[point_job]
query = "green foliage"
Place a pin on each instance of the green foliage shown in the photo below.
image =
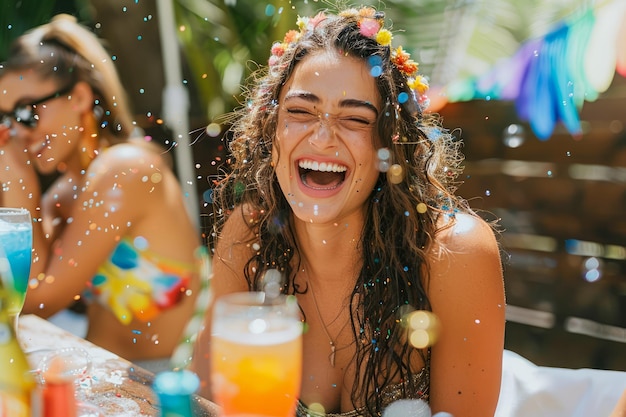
(18, 16)
(224, 41)
(451, 39)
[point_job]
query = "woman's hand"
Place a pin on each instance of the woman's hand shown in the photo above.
(5, 134)
(19, 181)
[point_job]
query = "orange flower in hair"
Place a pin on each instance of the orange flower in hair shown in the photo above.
(402, 60)
(371, 25)
(291, 36)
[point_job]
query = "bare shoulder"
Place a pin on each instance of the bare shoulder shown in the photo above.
(236, 229)
(129, 167)
(467, 234)
(126, 156)
(466, 290)
(234, 247)
(465, 257)
(235, 240)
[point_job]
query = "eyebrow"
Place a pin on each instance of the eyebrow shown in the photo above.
(345, 103)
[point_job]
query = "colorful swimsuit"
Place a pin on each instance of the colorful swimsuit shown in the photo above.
(136, 283)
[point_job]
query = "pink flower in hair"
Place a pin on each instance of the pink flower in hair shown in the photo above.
(273, 60)
(313, 22)
(278, 49)
(369, 27)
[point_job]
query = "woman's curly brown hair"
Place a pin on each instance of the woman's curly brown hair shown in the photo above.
(396, 235)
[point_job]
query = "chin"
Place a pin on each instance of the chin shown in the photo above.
(316, 212)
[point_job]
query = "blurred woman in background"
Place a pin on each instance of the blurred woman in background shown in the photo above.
(112, 229)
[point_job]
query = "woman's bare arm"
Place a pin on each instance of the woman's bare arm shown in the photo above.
(467, 294)
(113, 200)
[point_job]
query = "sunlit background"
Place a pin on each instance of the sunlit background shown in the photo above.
(535, 88)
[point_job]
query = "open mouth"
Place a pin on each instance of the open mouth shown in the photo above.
(37, 146)
(321, 175)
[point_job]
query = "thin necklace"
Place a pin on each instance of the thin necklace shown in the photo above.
(333, 347)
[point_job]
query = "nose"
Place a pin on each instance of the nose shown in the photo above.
(324, 135)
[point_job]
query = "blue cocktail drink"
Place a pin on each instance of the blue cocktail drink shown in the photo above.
(16, 242)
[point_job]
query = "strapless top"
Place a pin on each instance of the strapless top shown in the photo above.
(137, 283)
(390, 394)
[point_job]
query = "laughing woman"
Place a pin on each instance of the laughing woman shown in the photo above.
(342, 183)
(112, 229)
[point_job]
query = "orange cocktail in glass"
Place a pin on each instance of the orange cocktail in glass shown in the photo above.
(256, 355)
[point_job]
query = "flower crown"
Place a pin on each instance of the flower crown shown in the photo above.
(370, 23)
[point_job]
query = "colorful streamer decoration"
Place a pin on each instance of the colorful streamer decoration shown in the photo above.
(549, 78)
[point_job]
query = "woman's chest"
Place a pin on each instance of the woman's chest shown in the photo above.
(330, 358)
(328, 355)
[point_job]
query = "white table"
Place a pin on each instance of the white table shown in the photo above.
(118, 387)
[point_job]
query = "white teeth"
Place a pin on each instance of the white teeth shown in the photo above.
(321, 166)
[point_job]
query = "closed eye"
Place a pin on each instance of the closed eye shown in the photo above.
(355, 123)
(358, 120)
(298, 111)
(301, 114)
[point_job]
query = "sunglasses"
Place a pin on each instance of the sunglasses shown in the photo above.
(26, 113)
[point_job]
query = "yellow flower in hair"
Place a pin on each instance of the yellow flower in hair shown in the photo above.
(370, 24)
(419, 84)
(384, 37)
(301, 22)
(423, 84)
